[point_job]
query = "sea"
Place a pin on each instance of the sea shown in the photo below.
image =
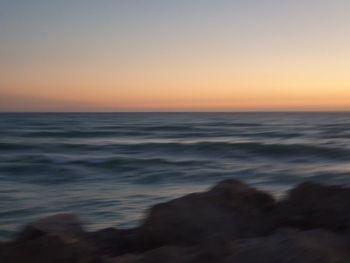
(109, 168)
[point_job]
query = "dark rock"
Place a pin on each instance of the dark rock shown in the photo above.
(167, 254)
(66, 226)
(127, 258)
(113, 242)
(58, 238)
(228, 211)
(311, 205)
(46, 249)
(175, 254)
(313, 246)
(231, 222)
(207, 252)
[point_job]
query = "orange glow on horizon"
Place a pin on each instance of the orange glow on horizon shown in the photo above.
(226, 56)
(213, 90)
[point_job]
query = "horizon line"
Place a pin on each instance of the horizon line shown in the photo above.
(255, 111)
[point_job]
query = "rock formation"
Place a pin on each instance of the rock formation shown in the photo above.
(230, 223)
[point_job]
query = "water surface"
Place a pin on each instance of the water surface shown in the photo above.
(110, 167)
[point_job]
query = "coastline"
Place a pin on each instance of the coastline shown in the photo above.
(231, 222)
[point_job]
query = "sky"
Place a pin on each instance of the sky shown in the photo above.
(174, 55)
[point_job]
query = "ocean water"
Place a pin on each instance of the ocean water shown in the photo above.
(110, 167)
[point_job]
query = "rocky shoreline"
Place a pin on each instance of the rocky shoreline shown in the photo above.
(230, 223)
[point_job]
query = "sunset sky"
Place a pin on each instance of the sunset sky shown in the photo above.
(174, 55)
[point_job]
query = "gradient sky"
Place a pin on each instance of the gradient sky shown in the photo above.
(174, 55)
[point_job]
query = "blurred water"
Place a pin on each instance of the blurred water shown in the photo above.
(109, 167)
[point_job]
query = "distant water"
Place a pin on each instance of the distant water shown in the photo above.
(109, 167)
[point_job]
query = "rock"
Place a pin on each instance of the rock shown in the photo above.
(59, 238)
(113, 242)
(128, 258)
(66, 226)
(46, 249)
(313, 246)
(166, 254)
(311, 205)
(203, 253)
(228, 211)
(230, 223)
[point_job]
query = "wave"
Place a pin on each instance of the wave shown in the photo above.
(81, 134)
(212, 148)
(4, 146)
(120, 161)
(168, 128)
(264, 149)
(235, 124)
(41, 173)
